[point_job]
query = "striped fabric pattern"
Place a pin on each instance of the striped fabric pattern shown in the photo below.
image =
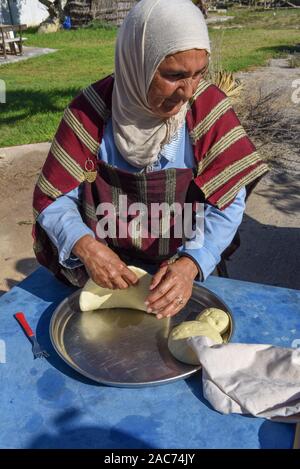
(90, 212)
(141, 182)
(73, 168)
(116, 192)
(225, 157)
(213, 184)
(159, 187)
(254, 174)
(203, 85)
(223, 144)
(80, 131)
(170, 192)
(35, 214)
(97, 102)
(79, 137)
(45, 186)
(204, 126)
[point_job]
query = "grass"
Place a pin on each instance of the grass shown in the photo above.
(279, 18)
(39, 89)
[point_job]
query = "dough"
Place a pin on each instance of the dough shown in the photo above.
(178, 345)
(216, 318)
(95, 297)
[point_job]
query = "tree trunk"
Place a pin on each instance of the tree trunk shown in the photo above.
(55, 9)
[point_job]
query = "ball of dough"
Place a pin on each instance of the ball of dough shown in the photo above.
(94, 297)
(177, 341)
(216, 318)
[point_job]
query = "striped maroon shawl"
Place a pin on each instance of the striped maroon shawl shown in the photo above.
(226, 158)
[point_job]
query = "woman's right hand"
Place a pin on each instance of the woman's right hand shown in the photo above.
(103, 265)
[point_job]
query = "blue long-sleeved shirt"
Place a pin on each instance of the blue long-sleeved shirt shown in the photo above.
(63, 223)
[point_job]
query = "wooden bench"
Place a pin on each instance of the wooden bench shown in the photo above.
(9, 39)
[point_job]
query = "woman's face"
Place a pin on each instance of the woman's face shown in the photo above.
(175, 81)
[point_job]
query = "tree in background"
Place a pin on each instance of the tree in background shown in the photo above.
(56, 10)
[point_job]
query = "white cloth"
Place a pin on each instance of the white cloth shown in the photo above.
(152, 30)
(261, 380)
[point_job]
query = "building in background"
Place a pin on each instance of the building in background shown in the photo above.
(30, 12)
(33, 13)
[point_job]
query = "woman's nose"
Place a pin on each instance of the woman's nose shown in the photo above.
(186, 89)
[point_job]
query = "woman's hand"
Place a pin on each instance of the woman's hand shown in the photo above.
(171, 288)
(103, 265)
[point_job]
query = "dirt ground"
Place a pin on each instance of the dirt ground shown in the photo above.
(19, 167)
(270, 232)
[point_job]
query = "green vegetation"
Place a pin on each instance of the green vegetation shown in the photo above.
(39, 89)
(279, 18)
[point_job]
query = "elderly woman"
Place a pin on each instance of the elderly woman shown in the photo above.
(155, 132)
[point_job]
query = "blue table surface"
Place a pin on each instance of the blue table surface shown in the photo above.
(45, 404)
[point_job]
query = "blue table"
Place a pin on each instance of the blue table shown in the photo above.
(45, 404)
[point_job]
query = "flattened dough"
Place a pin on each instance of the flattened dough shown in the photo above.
(216, 318)
(178, 345)
(95, 297)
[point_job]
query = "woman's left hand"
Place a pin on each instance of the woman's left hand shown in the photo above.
(171, 288)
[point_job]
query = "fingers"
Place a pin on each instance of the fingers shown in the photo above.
(128, 276)
(165, 300)
(172, 293)
(158, 277)
(167, 282)
(172, 308)
(170, 304)
(119, 283)
(117, 276)
(102, 282)
(108, 271)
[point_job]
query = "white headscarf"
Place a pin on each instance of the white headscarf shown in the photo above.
(152, 30)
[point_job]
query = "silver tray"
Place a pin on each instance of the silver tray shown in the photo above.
(125, 347)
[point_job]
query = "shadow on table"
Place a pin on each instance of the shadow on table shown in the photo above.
(194, 382)
(44, 285)
(67, 434)
(272, 435)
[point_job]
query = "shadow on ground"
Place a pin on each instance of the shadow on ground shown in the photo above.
(23, 266)
(26, 102)
(282, 49)
(268, 255)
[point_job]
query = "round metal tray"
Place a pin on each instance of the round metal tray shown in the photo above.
(125, 347)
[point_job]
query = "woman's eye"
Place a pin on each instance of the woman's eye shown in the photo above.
(174, 77)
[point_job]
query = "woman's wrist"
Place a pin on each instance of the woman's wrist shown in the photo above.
(85, 247)
(190, 266)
